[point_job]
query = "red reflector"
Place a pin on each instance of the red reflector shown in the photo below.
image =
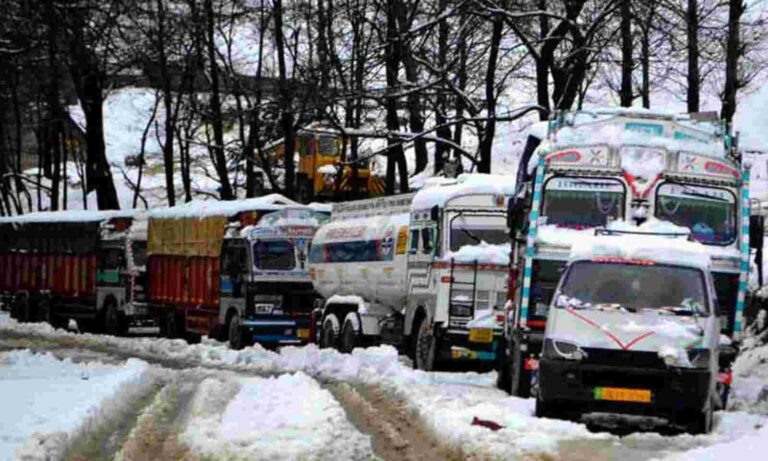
(536, 323)
(446, 279)
(725, 377)
(531, 364)
(500, 318)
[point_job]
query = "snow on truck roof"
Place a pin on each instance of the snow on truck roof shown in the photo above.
(656, 241)
(208, 208)
(441, 192)
(69, 216)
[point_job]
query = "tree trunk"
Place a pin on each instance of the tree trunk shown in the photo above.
(625, 94)
(286, 119)
(219, 156)
(413, 99)
(441, 103)
(645, 55)
(735, 11)
(542, 66)
(395, 154)
(167, 105)
(486, 143)
(694, 79)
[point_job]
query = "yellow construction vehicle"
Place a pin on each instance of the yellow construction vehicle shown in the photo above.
(319, 154)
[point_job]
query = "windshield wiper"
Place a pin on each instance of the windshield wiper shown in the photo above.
(470, 235)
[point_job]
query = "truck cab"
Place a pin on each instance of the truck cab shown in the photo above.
(266, 293)
(633, 328)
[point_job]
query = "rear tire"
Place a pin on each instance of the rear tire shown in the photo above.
(426, 346)
(520, 385)
(44, 311)
(235, 333)
(328, 334)
(350, 334)
(504, 371)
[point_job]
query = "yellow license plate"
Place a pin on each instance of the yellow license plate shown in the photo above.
(302, 333)
(481, 335)
(620, 394)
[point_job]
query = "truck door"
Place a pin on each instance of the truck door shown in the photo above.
(234, 268)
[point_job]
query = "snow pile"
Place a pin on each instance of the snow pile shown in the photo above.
(49, 398)
(287, 417)
(327, 169)
(666, 250)
(466, 184)
(67, 216)
(750, 384)
(749, 443)
(483, 253)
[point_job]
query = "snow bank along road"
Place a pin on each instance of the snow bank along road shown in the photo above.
(78, 397)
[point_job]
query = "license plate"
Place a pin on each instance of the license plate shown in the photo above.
(302, 333)
(481, 335)
(263, 308)
(620, 394)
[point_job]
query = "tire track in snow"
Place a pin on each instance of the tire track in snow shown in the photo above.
(397, 433)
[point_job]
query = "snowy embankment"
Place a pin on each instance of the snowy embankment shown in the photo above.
(47, 400)
(447, 403)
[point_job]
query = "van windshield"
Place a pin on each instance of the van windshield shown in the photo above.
(634, 287)
(274, 255)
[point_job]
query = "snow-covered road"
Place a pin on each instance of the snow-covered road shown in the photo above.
(99, 397)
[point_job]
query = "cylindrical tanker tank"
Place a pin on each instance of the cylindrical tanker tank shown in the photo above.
(363, 257)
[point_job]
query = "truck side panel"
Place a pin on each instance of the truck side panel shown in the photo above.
(184, 281)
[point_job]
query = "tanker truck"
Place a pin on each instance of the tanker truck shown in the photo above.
(424, 272)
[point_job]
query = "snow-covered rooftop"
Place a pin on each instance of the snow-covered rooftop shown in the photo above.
(207, 208)
(68, 216)
(439, 192)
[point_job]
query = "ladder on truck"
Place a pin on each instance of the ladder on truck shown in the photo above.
(472, 284)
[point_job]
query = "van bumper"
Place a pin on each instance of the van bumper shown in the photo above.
(454, 344)
(577, 387)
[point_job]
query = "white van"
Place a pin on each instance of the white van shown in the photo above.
(633, 329)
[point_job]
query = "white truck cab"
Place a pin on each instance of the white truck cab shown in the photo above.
(633, 328)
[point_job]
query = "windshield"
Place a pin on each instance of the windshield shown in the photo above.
(710, 213)
(669, 289)
(581, 203)
(274, 255)
(473, 229)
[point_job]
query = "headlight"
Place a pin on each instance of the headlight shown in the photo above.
(562, 350)
(700, 358)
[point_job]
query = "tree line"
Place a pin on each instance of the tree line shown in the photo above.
(231, 76)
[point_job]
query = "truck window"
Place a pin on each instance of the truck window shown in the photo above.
(139, 252)
(674, 289)
(582, 203)
(473, 229)
(234, 261)
(274, 255)
(112, 258)
(709, 212)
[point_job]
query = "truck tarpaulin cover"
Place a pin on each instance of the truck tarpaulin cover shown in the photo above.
(55, 256)
(184, 261)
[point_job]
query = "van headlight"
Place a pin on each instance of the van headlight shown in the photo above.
(562, 350)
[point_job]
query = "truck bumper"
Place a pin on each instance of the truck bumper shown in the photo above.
(579, 387)
(454, 344)
(278, 330)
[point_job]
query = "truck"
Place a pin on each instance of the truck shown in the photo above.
(82, 265)
(633, 328)
(424, 272)
(586, 169)
(318, 148)
(236, 271)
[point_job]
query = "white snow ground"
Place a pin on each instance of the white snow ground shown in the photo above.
(45, 395)
(288, 417)
(446, 402)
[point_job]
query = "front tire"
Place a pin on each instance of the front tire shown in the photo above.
(426, 346)
(504, 376)
(236, 341)
(520, 385)
(111, 319)
(701, 423)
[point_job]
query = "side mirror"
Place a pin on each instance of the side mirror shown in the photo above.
(434, 213)
(515, 212)
(756, 231)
